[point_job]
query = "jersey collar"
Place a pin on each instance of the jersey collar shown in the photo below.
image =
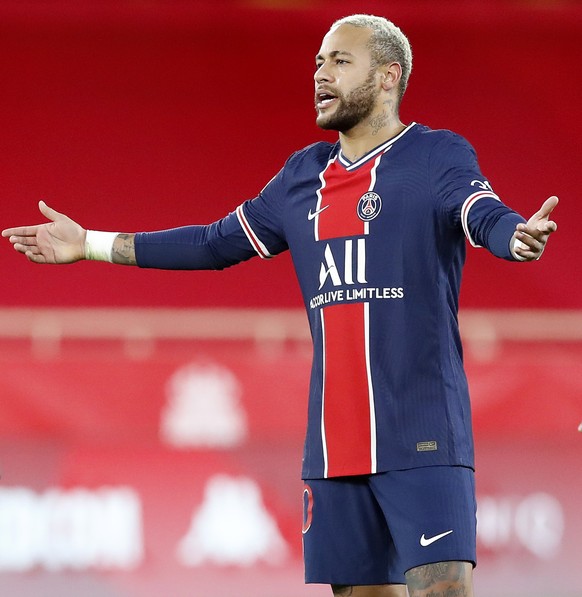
(374, 152)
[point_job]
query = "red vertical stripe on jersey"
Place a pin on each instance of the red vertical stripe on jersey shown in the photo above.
(346, 404)
(341, 193)
(348, 420)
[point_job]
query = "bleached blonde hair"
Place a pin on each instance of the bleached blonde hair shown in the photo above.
(387, 44)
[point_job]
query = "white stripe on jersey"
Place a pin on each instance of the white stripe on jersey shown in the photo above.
(256, 243)
(373, 450)
(323, 440)
(319, 197)
(467, 205)
(373, 457)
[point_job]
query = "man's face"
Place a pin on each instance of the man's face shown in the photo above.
(346, 85)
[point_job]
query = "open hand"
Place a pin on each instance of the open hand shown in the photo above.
(59, 241)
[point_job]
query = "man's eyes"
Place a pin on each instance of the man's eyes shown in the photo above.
(339, 61)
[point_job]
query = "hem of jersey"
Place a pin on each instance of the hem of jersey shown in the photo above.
(314, 476)
(374, 152)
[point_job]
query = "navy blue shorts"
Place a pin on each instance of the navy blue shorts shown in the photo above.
(370, 530)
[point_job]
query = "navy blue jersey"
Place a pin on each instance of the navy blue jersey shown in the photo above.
(378, 246)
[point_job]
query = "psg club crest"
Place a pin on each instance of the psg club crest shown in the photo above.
(369, 206)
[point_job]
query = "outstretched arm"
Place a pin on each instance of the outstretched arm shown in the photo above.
(62, 240)
(529, 240)
(213, 246)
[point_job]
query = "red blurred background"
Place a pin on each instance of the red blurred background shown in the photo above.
(141, 115)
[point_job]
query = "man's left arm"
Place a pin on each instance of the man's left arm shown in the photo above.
(467, 199)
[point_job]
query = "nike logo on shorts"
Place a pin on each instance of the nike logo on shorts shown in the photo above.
(311, 215)
(426, 542)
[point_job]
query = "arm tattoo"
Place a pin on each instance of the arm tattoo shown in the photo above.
(123, 251)
(443, 579)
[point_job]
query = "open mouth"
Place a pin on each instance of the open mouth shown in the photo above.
(323, 99)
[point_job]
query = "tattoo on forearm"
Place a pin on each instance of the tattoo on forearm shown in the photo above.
(123, 251)
(444, 579)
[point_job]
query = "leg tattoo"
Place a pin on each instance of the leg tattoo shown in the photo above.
(342, 590)
(444, 579)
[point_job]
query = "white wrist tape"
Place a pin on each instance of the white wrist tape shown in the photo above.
(99, 245)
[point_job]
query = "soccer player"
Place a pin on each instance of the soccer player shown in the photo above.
(377, 225)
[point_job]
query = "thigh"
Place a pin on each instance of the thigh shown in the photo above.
(345, 538)
(431, 513)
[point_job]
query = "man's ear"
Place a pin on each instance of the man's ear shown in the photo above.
(391, 74)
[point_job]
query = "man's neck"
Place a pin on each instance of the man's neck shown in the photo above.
(367, 135)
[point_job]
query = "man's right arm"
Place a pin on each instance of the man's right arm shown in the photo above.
(214, 246)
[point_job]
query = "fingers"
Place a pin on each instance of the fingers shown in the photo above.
(528, 247)
(49, 212)
(31, 252)
(539, 233)
(23, 240)
(35, 256)
(24, 245)
(548, 206)
(28, 246)
(539, 226)
(540, 220)
(22, 231)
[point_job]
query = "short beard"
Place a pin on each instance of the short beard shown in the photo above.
(353, 108)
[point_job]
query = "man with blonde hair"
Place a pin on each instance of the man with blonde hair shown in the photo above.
(377, 224)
